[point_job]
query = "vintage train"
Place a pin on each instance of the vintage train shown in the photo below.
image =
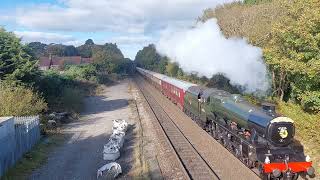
(258, 136)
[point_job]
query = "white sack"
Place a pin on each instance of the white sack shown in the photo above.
(117, 138)
(111, 151)
(107, 167)
(120, 125)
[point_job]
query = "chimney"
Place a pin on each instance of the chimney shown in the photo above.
(50, 58)
(269, 108)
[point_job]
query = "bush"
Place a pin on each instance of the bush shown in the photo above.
(81, 72)
(310, 101)
(71, 99)
(20, 101)
(65, 91)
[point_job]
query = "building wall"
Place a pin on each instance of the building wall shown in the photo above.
(17, 136)
(7, 144)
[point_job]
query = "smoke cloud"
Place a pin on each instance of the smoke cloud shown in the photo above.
(205, 50)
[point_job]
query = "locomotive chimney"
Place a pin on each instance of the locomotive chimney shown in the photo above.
(268, 107)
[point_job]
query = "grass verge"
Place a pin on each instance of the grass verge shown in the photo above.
(307, 130)
(35, 158)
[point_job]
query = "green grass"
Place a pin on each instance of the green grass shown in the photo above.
(307, 130)
(34, 159)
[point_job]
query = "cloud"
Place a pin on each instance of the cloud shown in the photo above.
(135, 22)
(132, 16)
(4, 18)
(133, 39)
(31, 36)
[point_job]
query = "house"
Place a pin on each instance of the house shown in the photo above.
(56, 62)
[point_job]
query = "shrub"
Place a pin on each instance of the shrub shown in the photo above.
(64, 92)
(71, 99)
(20, 101)
(81, 72)
(310, 101)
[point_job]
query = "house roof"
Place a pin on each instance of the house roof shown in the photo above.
(87, 60)
(57, 61)
(72, 60)
(44, 61)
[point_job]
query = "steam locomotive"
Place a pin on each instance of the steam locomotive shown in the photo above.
(258, 136)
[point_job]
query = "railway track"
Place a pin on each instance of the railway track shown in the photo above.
(193, 163)
(218, 158)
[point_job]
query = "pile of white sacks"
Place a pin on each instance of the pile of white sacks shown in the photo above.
(111, 151)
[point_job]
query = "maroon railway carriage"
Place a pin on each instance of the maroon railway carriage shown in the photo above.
(172, 88)
(175, 90)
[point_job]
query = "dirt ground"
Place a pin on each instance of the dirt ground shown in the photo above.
(81, 155)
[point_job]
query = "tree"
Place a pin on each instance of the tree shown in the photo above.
(89, 42)
(255, 1)
(37, 48)
(172, 69)
(109, 59)
(86, 49)
(222, 82)
(16, 64)
(162, 65)
(70, 51)
(149, 58)
(239, 19)
(55, 50)
(293, 53)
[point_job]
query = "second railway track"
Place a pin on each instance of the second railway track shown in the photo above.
(194, 164)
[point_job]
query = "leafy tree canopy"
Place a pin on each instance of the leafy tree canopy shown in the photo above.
(149, 58)
(89, 42)
(172, 69)
(293, 52)
(16, 64)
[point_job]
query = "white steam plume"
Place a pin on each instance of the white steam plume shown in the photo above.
(204, 49)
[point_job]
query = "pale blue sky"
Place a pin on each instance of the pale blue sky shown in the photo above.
(131, 24)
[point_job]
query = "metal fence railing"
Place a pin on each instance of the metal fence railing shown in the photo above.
(13, 144)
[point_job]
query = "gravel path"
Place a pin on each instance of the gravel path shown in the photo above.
(81, 155)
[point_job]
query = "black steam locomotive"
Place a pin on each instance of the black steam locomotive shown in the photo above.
(256, 135)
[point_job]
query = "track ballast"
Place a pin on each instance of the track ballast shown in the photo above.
(195, 166)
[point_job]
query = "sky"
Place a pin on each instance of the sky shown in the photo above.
(132, 24)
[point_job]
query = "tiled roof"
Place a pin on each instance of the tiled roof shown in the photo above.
(87, 60)
(44, 61)
(57, 61)
(72, 60)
